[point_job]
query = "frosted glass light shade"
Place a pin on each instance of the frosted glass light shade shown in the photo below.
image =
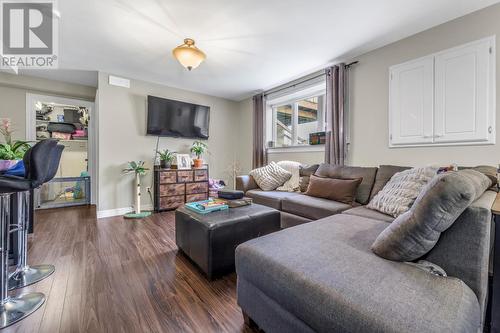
(188, 55)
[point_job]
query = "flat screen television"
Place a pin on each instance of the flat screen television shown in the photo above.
(167, 117)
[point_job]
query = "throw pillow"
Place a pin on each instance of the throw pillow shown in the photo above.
(440, 203)
(397, 196)
(341, 190)
(351, 172)
(305, 173)
(270, 177)
(292, 184)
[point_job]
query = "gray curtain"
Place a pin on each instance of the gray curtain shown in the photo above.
(259, 150)
(336, 114)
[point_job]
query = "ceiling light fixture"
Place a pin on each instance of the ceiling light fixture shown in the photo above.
(189, 55)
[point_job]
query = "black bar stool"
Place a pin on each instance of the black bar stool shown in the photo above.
(25, 275)
(13, 309)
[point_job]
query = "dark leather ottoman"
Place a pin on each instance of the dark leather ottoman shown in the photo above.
(211, 239)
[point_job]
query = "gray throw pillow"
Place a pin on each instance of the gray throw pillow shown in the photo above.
(401, 190)
(414, 233)
(305, 173)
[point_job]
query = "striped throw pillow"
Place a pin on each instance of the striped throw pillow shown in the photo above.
(270, 177)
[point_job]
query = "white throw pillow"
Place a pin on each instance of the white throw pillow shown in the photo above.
(292, 184)
(401, 190)
(270, 177)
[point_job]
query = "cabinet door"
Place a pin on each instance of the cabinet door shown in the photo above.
(411, 102)
(464, 100)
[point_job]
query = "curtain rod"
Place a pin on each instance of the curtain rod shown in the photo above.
(304, 81)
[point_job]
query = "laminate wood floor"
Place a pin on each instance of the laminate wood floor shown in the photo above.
(118, 275)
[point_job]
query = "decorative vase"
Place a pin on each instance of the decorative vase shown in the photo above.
(197, 162)
(165, 165)
(7, 164)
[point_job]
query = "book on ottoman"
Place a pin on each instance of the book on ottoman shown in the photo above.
(207, 206)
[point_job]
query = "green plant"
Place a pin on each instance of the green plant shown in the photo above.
(198, 148)
(166, 155)
(136, 167)
(15, 151)
(11, 150)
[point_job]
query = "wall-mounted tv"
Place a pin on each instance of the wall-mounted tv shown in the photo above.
(167, 117)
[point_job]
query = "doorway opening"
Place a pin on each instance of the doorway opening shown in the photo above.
(70, 121)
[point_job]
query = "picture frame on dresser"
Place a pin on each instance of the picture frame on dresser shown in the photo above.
(183, 161)
(175, 187)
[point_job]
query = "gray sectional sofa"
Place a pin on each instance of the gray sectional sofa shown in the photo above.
(323, 277)
(297, 208)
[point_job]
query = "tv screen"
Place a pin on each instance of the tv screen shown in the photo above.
(167, 117)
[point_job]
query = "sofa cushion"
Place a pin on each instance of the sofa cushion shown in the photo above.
(384, 173)
(311, 207)
(350, 172)
(324, 274)
(369, 213)
(440, 203)
(269, 198)
(290, 220)
(401, 190)
(305, 173)
(342, 190)
(270, 177)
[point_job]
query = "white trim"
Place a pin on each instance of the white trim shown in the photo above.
(113, 212)
(120, 211)
(296, 149)
(92, 129)
(317, 89)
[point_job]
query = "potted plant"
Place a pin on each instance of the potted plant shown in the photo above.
(139, 170)
(166, 158)
(10, 151)
(198, 148)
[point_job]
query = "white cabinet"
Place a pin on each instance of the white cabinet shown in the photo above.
(412, 95)
(447, 98)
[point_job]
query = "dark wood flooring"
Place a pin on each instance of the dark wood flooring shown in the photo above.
(117, 275)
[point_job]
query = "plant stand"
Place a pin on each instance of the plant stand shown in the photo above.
(138, 214)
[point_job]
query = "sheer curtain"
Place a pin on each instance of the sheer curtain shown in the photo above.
(259, 150)
(336, 114)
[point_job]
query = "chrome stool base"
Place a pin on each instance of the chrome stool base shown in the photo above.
(29, 275)
(14, 309)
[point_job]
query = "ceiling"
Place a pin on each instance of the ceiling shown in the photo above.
(250, 44)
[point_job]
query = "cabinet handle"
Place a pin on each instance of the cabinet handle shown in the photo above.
(490, 129)
(438, 135)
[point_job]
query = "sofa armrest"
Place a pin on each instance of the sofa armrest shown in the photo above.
(463, 250)
(245, 183)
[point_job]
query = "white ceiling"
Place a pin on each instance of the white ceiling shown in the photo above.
(250, 44)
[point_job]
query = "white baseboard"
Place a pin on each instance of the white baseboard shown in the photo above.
(120, 211)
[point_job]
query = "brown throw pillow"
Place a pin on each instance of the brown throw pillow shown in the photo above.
(342, 190)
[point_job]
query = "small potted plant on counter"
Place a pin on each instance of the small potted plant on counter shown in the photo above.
(198, 148)
(11, 152)
(166, 158)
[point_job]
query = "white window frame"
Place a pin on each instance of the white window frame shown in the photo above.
(292, 99)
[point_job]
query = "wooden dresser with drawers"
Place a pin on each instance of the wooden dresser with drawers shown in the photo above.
(173, 188)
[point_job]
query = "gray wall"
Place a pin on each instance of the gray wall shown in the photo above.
(122, 137)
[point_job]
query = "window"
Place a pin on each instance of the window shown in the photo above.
(295, 117)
